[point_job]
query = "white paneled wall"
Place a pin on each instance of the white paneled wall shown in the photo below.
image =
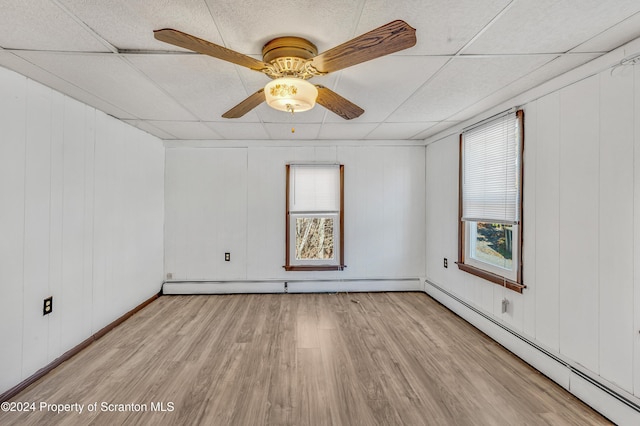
(206, 198)
(636, 232)
(233, 200)
(615, 249)
(582, 228)
(579, 230)
(81, 220)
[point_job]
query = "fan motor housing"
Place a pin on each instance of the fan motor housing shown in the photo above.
(289, 56)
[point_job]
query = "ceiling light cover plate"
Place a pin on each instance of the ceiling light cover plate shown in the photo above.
(290, 94)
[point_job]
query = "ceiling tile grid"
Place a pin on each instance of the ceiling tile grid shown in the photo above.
(469, 56)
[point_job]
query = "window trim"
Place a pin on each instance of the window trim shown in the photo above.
(319, 267)
(518, 284)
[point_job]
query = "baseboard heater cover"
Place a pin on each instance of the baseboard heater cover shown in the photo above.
(292, 286)
(222, 287)
(609, 402)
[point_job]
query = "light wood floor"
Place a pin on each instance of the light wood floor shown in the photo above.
(301, 359)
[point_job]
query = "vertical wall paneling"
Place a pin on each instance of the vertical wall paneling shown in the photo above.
(150, 211)
(88, 142)
(385, 210)
(174, 228)
(547, 208)
(364, 176)
(636, 234)
(69, 304)
(117, 197)
(579, 222)
(265, 212)
(529, 228)
(55, 219)
(442, 213)
(12, 181)
(70, 193)
(127, 184)
(102, 231)
(616, 221)
(36, 230)
(206, 195)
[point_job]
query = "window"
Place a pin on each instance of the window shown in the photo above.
(315, 212)
(490, 224)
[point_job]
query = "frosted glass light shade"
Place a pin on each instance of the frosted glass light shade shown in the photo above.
(290, 94)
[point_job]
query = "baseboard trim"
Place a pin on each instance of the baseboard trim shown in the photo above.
(610, 402)
(73, 351)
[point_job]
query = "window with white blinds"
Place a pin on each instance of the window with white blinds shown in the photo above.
(491, 172)
(490, 227)
(314, 188)
(315, 217)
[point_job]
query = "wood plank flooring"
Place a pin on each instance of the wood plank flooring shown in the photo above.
(299, 359)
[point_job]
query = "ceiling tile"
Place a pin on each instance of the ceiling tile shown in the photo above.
(382, 85)
(247, 25)
(114, 81)
(206, 86)
(282, 131)
(551, 26)
(346, 130)
(616, 36)
(69, 88)
(41, 25)
(399, 130)
(538, 76)
(442, 26)
(440, 127)
(232, 129)
(149, 128)
(186, 129)
(462, 83)
(130, 24)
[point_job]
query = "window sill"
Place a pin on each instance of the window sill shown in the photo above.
(496, 279)
(314, 267)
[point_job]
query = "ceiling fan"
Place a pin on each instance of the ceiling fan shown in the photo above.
(291, 61)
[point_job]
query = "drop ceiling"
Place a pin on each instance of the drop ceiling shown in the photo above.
(469, 56)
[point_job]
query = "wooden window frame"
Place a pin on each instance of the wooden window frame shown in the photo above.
(518, 284)
(338, 267)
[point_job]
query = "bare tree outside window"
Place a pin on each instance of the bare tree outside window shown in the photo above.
(314, 238)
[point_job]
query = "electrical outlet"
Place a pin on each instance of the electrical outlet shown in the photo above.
(47, 306)
(227, 257)
(505, 305)
(446, 263)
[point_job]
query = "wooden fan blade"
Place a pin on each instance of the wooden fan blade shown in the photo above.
(245, 106)
(187, 41)
(337, 104)
(387, 39)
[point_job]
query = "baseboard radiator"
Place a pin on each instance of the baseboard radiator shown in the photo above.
(291, 286)
(611, 403)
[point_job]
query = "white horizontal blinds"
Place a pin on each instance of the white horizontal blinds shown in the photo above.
(491, 172)
(314, 188)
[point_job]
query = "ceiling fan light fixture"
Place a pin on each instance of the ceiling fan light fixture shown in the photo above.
(290, 94)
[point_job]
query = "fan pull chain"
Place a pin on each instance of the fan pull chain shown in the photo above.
(291, 110)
